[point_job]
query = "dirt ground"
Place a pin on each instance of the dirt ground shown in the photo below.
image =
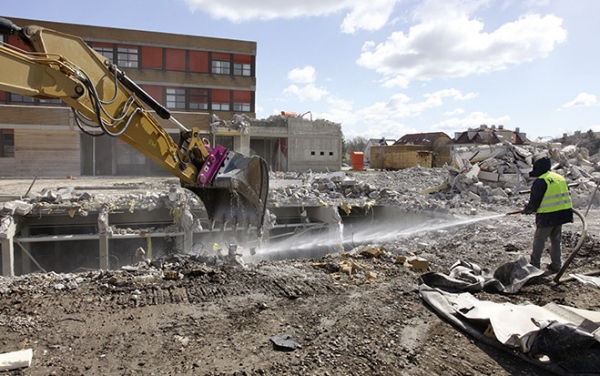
(218, 320)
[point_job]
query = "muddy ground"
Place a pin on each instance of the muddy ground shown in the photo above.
(218, 320)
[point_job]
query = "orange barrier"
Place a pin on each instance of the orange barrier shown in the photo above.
(358, 160)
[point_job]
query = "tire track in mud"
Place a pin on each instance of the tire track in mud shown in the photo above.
(205, 291)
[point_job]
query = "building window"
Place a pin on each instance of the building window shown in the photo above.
(128, 156)
(220, 99)
(242, 69)
(241, 107)
(221, 67)
(176, 98)
(127, 57)
(107, 52)
(7, 143)
(242, 65)
(198, 99)
(225, 141)
(50, 101)
(242, 100)
(18, 98)
(220, 106)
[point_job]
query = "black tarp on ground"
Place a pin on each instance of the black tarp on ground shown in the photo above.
(557, 343)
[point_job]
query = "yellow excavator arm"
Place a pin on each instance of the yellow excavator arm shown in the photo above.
(232, 187)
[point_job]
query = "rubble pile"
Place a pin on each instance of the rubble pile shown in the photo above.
(81, 202)
(365, 188)
(495, 173)
(354, 312)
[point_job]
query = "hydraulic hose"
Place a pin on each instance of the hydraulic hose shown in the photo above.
(577, 247)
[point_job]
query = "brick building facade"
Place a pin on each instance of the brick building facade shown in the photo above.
(193, 76)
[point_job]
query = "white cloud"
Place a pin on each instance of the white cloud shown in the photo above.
(582, 100)
(400, 105)
(447, 41)
(458, 111)
(307, 93)
(398, 81)
(473, 120)
(368, 15)
(371, 15)
(304, 75)
(387, 118)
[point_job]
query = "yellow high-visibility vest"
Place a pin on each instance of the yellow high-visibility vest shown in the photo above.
(557, 195)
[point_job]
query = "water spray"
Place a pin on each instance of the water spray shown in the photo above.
(318, 245)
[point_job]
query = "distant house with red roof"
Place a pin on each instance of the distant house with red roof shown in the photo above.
(490, 136)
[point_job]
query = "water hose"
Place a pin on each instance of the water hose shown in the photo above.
(515, 212)
(577, 247)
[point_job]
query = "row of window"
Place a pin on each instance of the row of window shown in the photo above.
(148, 57)
(175, 59)
(185, 99)
(197, 99)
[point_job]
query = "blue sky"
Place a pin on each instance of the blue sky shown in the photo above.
(385, 68)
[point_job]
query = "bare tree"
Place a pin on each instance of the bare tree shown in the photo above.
(358, 143)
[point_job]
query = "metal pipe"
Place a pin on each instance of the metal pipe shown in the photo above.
(592, 198)
(33, 182)
(30, 257)
(577, 247)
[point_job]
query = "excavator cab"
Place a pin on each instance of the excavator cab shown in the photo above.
(232, 187)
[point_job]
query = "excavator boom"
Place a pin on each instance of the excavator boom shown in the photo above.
(232, 187)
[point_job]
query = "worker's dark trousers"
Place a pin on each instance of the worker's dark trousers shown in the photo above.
(539, 241)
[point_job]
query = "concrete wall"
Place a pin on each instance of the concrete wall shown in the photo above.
(47, 149)
(400, 156)
(314, 145)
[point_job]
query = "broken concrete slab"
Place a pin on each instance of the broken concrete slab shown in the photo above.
(284, 342)
(16, 359)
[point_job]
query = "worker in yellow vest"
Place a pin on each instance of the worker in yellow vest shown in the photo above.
(551, 201)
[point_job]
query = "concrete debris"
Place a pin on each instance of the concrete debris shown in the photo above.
(348, 267)
(418, 263)
(172, 274)
(76, 202)
(16, 359)
(238, 123)
(284, 342)
(6, 226)
(494, 172)
(17, 207)
(103, 226)
(370, 251)
(371, 276)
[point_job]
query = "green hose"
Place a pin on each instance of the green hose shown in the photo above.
(577, 247)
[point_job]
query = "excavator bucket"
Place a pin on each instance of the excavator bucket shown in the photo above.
(237, 195)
